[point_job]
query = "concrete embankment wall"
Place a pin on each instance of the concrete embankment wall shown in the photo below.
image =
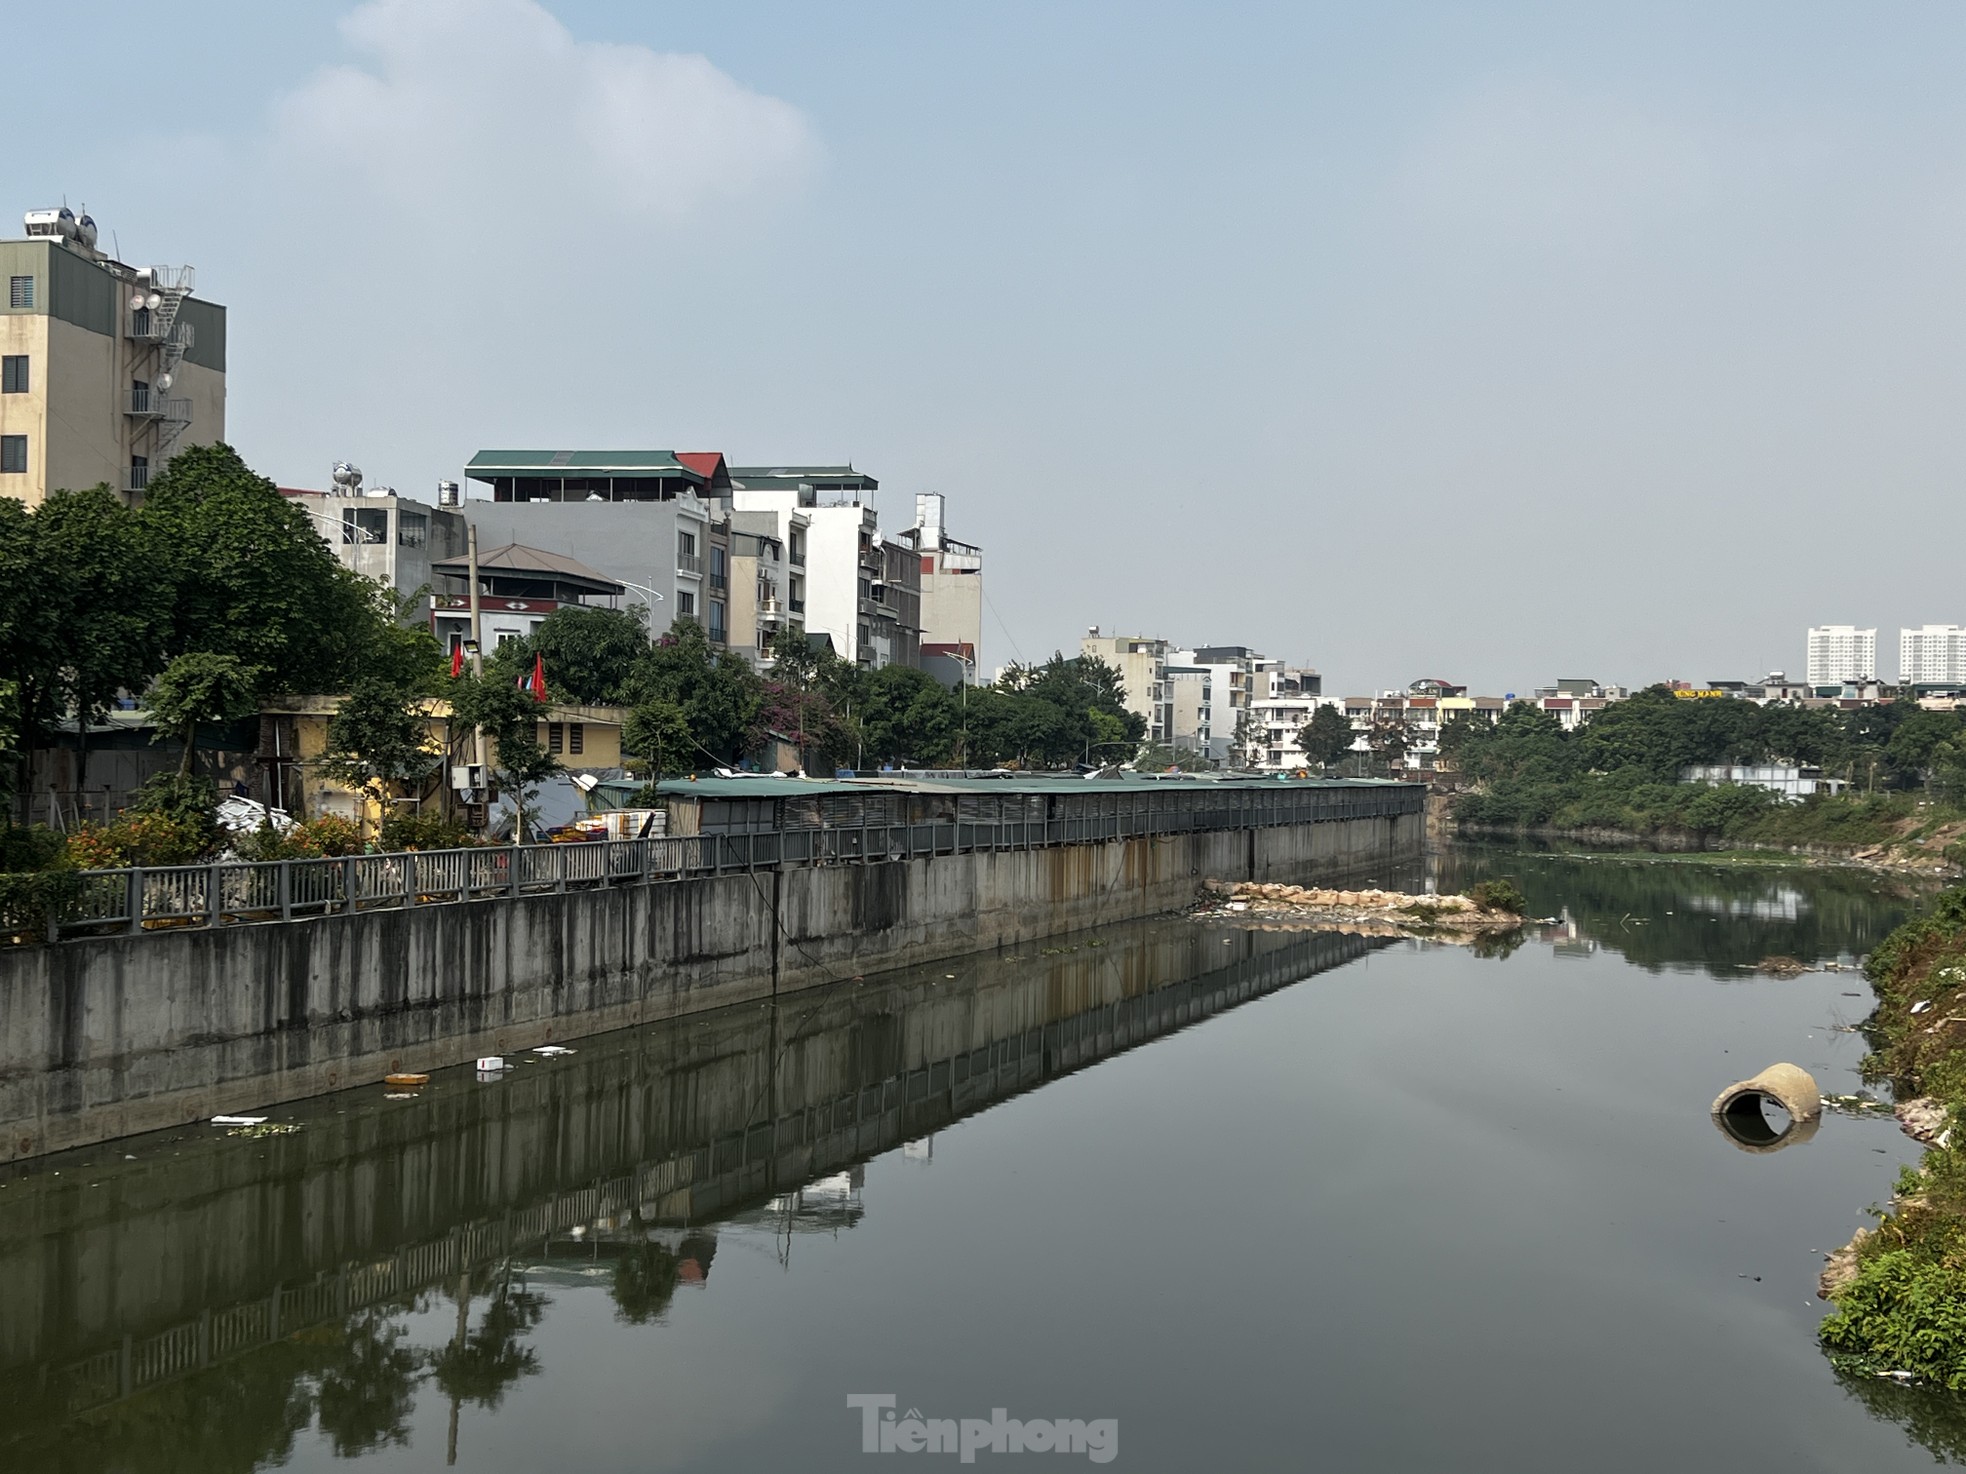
(108, 1036)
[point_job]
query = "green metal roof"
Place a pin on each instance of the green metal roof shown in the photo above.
(766, 476)
(620, 463)
(763, 786)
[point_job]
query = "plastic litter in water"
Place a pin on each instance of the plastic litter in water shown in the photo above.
(491, 1064)
(552, 1049)
(238, 1120)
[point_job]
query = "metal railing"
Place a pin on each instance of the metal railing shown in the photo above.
(231, 893)
(149, 404)
(689, 562)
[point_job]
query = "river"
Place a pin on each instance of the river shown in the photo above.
(1194, 1196)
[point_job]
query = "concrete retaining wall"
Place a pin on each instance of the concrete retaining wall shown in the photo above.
(104, 1037)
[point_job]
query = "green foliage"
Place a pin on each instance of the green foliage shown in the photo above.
(29, 847)
(378, 738)
(657, 732)
(1327, 736)
(510, 719)
(1904, 1312)
(252, 579)
(29, 900)
(1500, 894)
(428, 830)
(328, 837)
(200, 687)
(1620, 771)
(718, 693)
(590, 655)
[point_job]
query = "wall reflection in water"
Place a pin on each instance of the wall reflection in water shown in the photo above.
(197, 1299)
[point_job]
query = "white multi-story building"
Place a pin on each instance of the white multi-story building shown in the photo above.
(1841, 652)
(1932, 655)
(838, 564)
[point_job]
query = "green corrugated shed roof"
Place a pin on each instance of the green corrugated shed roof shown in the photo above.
(625, 463)
(774, 475)
(763, 786)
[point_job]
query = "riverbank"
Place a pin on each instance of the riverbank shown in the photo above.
(1936, 851)
(1900, 1289)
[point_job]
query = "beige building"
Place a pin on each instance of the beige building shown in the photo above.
(106, 370)
(952, 585)
(1142, 664)
(760, 578)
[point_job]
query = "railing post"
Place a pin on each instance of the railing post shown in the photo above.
(211, 895)
(348, 883)
(514, 864)
(409, 879)
(559, 854)
(135, 902)
(284, 889)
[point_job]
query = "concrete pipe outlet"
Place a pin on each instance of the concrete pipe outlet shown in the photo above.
(1741, 1110)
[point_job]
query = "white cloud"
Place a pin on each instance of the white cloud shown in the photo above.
(492, 104)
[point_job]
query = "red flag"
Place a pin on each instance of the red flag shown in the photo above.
(538, 677)
(457, 661)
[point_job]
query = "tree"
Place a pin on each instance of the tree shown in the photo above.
(252, 579)
(378, 738)
(111, 609)
(509, 718)
(1326, 737)
(718, 693)
(910, 717)
(1389, 737)
(657, 732)
(590, 654)
(198, 688)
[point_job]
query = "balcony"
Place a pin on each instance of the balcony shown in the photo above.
(136, 478)
(718, 582)
(797, 606)
(689, 562)
(797, 557)
(147, 404)
(146, 326)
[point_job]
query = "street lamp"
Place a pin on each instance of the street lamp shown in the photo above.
(362, 534)
(649, 597)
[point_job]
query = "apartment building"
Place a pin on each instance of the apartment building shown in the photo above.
(1142, 664)
(838, 563)
(1281, 702)
(518, 588)
(1839, 653)
(650, 520)
(1932, 655)
(106, 370)
(383, 535)
(760, 580)
(951, 585)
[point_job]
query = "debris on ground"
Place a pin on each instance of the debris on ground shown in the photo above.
(265, 1128)
(237, 1120)
(1923, 1119)
(551, 1049)
(1782, 967)
(1371, 912)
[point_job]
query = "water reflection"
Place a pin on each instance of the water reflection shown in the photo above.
(211, 1299)
(1672, 912)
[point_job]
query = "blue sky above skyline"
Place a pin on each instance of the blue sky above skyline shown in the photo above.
(1498, 342)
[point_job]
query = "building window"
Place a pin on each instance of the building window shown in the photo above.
(13, 374)
(139, 473)
(412, 530)
(717, 628)
(576, 738)
(139, 396)
(685, 604)
(13, 454)
(719, 577)
(20, 292)
(686, 544)
(555, 737)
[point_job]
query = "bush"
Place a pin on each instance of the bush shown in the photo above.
(1904, 1312)
(431, 831)
(142, 838)
(29, 847)
(328, 837)
(1500, 895)
(29, 898)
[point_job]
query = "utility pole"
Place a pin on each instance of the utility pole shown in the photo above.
(477, 661)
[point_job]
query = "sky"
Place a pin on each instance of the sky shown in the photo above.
(1495, 342)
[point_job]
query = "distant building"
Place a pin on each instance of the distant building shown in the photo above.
(1792, 782)
(951, 583)
(518, 587)
(106, 370)
(1841, 652)
(760, 577)
(379, 534)
(838, 562)
(1142, 664)
(1932, 655)
(645, 519)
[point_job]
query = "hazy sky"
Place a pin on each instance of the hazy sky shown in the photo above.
(1499, 342)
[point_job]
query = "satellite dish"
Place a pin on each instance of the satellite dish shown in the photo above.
(153, 301)
(137, 300)
(163, 381)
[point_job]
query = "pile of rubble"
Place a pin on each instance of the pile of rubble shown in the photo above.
(1376, 912)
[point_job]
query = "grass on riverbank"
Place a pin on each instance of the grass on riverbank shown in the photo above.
(1905, 1309)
